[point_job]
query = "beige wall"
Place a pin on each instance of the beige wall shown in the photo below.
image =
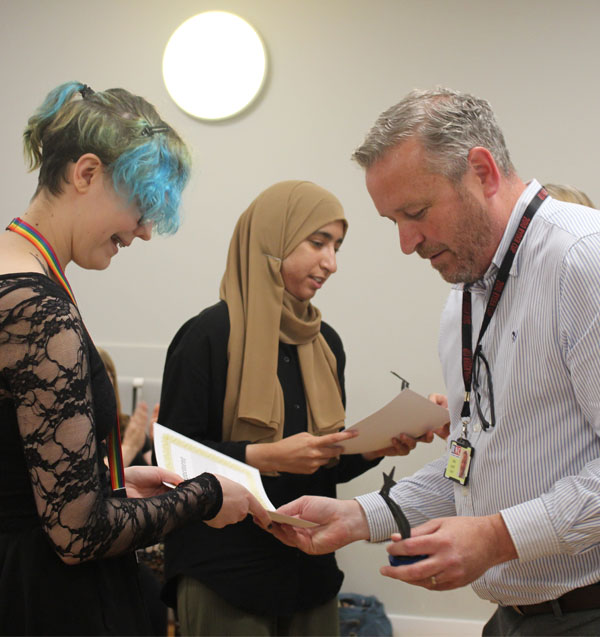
(335, 65)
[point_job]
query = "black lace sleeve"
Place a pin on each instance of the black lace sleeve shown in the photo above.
(45, 371)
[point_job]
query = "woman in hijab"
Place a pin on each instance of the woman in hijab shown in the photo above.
(260, 377)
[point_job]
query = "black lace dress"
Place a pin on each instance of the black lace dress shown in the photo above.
(66, 561)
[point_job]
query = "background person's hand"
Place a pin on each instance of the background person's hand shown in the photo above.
(134, 437)
(153, 419)
(238, 503)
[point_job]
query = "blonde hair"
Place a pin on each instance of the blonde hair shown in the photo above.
(564, 192)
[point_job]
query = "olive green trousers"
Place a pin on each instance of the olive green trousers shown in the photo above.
(202, 612)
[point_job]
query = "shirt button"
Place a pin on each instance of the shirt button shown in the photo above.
(286, 359)
(297, 406)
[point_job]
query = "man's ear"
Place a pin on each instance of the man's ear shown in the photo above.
(87, 169)
(485, 170)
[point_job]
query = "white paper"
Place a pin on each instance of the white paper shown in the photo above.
(189, 458)
(408, 413)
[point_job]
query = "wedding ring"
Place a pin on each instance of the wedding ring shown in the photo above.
(433, 581)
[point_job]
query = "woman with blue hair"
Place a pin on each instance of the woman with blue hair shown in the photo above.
(110, 170)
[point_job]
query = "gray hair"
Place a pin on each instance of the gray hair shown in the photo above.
(447, 122)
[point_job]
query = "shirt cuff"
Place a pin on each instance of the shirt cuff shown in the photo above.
(379, 518)
(531, 530)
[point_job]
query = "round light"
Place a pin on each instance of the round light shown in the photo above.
(214, 65)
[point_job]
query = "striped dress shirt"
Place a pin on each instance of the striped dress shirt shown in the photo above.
(540, 465)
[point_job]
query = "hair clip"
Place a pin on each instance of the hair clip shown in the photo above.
(148, 131)
(86, 91)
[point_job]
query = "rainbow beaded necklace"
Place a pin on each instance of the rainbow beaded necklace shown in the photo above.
(115, 456)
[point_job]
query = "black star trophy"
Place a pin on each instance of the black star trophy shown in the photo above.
(400, 519)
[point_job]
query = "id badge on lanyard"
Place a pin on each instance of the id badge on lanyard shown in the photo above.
(459, 461)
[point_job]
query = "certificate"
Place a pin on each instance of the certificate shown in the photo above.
(408, 413)
(189, 458)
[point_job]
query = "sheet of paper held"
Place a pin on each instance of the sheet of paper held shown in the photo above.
(408, 413)
(189, 458)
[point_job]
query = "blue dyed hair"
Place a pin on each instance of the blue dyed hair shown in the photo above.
(148, 161)
(150, 175)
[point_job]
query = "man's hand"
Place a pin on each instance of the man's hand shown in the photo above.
(340, 522)
(460, 550)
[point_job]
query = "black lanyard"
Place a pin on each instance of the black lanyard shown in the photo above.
(497, 290)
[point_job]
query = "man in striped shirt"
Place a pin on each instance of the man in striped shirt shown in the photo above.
(522, 326)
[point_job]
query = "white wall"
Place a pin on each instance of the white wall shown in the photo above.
(335, 65)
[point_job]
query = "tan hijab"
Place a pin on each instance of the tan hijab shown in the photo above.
(262, 312)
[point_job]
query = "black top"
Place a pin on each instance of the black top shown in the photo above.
(56, 407)
(243, 564)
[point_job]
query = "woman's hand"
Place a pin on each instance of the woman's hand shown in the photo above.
(238, 502)
(145, 482)
(402, 445)
(301, 453)
(441, 400)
